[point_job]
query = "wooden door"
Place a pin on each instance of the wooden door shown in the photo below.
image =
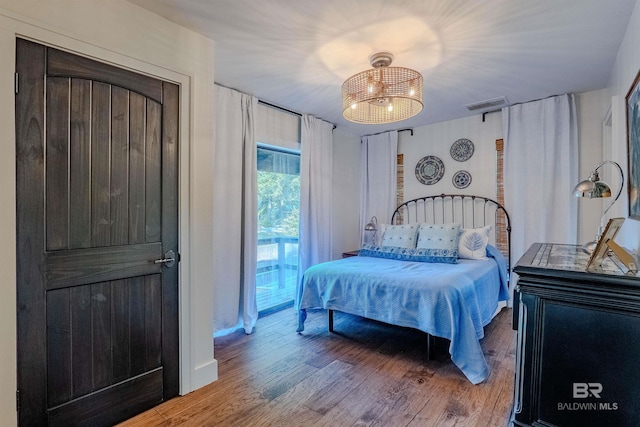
(96, 160)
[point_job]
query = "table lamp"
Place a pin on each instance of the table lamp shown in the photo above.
(370, 231)
(593, 188)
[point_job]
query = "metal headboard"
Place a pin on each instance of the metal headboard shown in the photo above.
(469, 211)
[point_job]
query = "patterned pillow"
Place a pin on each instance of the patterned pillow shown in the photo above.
(408, 254)
(473, 242)
(401, 236)
(442, 238)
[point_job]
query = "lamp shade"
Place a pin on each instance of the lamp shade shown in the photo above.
(592, 189)
(383, 94)
(372, 225)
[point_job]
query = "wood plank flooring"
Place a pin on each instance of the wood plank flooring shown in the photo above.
(365, 374)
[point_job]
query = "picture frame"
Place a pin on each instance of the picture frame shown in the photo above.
(633, 147)
(601, 249)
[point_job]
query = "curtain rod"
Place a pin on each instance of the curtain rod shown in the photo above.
(399, 130)
(490, 112)
(520, 103)
(277, 107)
(268, 104)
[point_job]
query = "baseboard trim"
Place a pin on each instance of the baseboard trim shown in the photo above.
(204, 374)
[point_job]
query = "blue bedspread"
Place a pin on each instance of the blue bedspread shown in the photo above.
(454, 301)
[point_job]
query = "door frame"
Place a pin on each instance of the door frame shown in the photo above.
(197, 365)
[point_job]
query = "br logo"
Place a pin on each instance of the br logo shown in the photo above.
(584, 390)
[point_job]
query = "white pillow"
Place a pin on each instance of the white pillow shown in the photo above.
(473, 242)
(438, 236)
(402, 236)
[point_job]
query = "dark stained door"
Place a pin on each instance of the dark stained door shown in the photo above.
(97, 194)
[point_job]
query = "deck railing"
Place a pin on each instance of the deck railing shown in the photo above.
(276, 272)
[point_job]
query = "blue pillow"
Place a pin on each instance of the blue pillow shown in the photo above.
(449, 256)
(438, 236)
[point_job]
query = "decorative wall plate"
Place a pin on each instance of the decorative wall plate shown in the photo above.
(462, 150)
(461, 179)
(429, 170)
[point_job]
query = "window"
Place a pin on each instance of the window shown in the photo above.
(278, 220)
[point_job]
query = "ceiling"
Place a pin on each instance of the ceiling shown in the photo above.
(296, 54)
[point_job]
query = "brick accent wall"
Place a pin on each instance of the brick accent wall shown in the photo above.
(400, 184)
(501, 221)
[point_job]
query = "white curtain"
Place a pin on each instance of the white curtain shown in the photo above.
(540, 171)
(235, 212)
(316, 179)
(379, 185)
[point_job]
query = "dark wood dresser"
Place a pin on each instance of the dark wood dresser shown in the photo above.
(578, 349)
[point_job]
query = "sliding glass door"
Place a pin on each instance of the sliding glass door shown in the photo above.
(278, 219)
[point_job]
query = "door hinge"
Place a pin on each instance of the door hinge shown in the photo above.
(17, 78)
(17, 400)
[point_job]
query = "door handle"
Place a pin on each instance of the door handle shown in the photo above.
(169, 259)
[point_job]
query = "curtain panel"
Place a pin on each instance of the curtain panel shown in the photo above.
(379, 161)
(540, 170)
(316, 178)
(235, 212)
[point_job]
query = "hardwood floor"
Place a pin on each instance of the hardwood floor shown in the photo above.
(365, 374)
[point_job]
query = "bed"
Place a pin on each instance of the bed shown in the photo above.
(450, 293)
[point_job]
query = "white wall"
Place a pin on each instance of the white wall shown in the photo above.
(622, 76)
(436, 140)
(346, 193)
(591, 111)
(126, 35)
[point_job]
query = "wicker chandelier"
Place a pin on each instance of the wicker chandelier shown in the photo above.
(383, 94)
